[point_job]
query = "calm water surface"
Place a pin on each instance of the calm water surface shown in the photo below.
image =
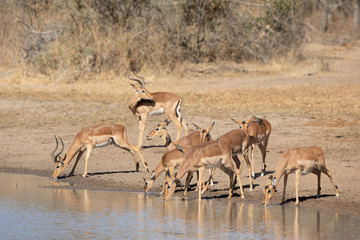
(30, 208)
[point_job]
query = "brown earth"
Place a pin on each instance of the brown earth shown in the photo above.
(316, 102)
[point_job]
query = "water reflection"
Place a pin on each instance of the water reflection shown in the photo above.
(30, 207)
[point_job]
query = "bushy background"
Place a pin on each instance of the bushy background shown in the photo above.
(61, 38)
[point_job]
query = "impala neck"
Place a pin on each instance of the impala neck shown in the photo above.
(69, 155)
(133, 103)
(158, 170)
(279, 172)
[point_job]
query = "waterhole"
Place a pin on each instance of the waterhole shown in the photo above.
(32, 208)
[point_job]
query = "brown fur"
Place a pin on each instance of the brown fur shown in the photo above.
(88, 138)
(298, 161)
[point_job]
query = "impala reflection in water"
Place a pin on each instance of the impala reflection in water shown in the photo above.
(31, 208)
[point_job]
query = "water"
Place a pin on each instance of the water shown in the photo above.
(30, 208)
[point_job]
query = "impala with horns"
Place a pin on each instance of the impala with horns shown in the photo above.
(258, 130)
(89, 138)
(213, 154)
(145, 104)
(173, 158)
(300, 161)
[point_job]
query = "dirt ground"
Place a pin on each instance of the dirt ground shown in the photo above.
(30, 117)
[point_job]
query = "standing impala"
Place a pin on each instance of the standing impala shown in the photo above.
(240, 144)
(89, 138)
(300, 161)
(145, 104)
(173, 158)
(258, 130)
(213, 154)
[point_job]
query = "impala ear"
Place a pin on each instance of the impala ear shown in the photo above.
(61, 161)
(178, 147)
(152, 175)
(235, 121)
(211, 127)
(196, 127)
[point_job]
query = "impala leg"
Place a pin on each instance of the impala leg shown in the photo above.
(137, 166)
(87, 156)
(205, 186)
(76, 162)
(211, 179)
(285, 183)
(328, 173)
(122, 142)
(137, 150)
(263, 154)
(231, 179)
(185, 125)
(187, 182)
(297, 179)
(178, 125)
(164, 185)
(201, 176)
(318, 174)
(249, 168)
(142, 122)
(252, 160)
(179, 119)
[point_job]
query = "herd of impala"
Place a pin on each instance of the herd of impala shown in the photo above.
(196, 151)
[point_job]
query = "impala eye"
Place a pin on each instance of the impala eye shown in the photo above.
(157, 129)
(58, 166)
(143, 91)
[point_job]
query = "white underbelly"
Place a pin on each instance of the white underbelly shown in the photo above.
(104, 144)
(307, 166)
(304, 173)
(212, 162)
(157, 112)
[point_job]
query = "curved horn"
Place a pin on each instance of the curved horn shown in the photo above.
(62, 146)
(52, 156)
(141, 83)
(138, 76)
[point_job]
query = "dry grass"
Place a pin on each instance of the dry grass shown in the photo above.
(333, 101)
(314, 101)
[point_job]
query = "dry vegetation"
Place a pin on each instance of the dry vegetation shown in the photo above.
(82, 39)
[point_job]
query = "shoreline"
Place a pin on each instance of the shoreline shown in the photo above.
(73, 183)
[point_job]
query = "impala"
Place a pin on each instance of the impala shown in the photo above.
(258, 130)
(173, 158)
(89, 138)
(240, 144)
(145, 104)
(213, 154)
(300, 161)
